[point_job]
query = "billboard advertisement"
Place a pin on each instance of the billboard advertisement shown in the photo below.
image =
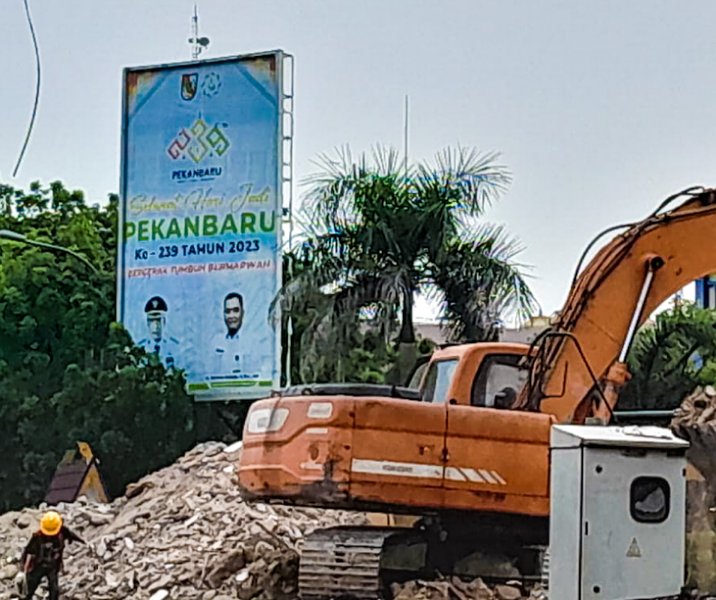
(199, 256)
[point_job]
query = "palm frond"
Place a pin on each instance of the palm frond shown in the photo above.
(344, 191)
(463, 179)
(490, 238)
(481, 284)
(333, 327)
(387, 161)
(374, 230)
(662, 358)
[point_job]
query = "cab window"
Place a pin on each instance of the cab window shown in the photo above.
(416, 377)
(437, 381)
(498, 381)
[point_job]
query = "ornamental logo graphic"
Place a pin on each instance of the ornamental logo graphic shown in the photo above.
(211, 84)
(188, 85)
(198, 142)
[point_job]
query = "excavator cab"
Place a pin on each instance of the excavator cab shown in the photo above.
(484, 375)
(416, 376)
(496, 384)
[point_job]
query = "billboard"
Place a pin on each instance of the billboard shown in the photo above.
(201, 209)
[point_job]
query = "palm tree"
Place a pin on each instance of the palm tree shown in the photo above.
(670, 357)
(378, 232)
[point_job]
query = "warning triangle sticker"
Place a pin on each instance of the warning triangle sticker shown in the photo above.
(634, 550)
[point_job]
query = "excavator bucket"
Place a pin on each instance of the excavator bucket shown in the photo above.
(77, 475)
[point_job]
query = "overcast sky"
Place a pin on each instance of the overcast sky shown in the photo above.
(600, 109)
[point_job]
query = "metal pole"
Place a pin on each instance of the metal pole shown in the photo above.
(287, 112)
(405, 137)
(652, 266)
(18, 237)
(195, 33)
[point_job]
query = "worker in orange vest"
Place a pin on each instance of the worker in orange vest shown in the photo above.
(42, 556)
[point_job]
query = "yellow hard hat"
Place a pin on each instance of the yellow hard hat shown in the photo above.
(51, 523)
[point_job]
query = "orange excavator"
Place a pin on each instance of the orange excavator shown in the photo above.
(468, 452)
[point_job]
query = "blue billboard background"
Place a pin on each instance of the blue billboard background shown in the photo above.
(199, 258)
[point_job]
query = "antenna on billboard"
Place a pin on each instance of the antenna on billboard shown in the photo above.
(198, 44)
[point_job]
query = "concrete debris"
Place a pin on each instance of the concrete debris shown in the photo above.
(695, 421)
(185, 533)
(455, 588)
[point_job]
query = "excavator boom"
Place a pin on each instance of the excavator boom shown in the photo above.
(622, 285)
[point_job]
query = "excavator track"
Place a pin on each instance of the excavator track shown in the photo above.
(360, 563)
(343, 562)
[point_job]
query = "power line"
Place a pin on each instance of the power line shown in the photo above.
(37, 88)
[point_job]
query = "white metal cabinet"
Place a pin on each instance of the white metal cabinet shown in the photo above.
(617, 513)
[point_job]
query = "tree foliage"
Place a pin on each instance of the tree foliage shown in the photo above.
(670, 357)
(368, 357)
(67, 372)
(377, 233)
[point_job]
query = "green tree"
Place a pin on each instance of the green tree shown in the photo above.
(377, 233)
(670, 357)
(66, 372)
(368, 358)
(139, 417)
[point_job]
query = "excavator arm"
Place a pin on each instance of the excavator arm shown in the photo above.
(579, 363)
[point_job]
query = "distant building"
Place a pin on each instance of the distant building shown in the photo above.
(431, 330)
(528, 332)
(438, 334)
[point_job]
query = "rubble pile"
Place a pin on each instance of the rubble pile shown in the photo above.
(455, 588)
(183, 532)
(695, 421)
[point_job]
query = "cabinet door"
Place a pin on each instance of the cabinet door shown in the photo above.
(633, 526)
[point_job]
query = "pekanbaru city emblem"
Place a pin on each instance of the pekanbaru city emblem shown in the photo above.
(189, 83)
